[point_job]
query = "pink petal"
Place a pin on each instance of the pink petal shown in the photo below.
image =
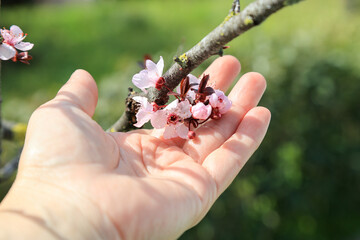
(183, 109)
(170, 132)
(172, 105)
(214, 98)
(150, 66)
(193, 79)
(24, 46)
(141, 80)
(159, 119)
(6, 51)
(181, 130)
(220, 101)
(16, 31)
(142, 117)
(142, 100)
(6, 35)
(201, 111)
(16, 34)
(191, 95)
(160, 66)
(226, 106)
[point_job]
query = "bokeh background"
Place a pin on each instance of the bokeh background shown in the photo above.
(304, 181)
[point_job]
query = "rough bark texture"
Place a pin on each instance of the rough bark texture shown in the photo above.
(234, 25)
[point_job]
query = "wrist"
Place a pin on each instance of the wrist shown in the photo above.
(37, 210)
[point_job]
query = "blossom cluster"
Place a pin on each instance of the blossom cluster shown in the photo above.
(195, 103)
(11, 42)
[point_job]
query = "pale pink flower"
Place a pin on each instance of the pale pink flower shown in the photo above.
(201, 111)
(172, 119)
(150, 76)
(145, 112)
(220, 102)
(14, 38)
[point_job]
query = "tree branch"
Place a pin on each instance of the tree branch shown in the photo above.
(13, 131)
(10, 167)
(234, 25)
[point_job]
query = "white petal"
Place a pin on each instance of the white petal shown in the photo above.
(141, 80)
(150, 66)
(183, 109)
(153, 77)
(181, 130)
(6, 51)
(16, 31)
(172, 105)
(142, 100)
(160, 66)
(193, 79)
(191, 95)
(24, 46)
(142, 117)
(6, 35)
(170, 132)
(159, 119)
(226, 106)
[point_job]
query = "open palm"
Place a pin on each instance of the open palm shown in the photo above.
(137, 185)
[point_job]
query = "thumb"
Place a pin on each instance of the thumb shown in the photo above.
(81, 91)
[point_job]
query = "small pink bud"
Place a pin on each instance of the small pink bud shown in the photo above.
(160, 83)
(191, 135)
(219, 101)
(201, 111)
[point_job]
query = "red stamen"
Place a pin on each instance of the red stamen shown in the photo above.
(172, 118)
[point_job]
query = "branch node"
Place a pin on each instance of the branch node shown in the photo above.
(248, 21)
(182, 60)
(236, 7)
(221, 52)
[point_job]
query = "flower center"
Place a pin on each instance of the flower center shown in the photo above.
(173, 118)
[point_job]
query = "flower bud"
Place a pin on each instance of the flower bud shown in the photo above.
(191, 135)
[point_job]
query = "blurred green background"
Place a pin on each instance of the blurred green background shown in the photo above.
(304, 181)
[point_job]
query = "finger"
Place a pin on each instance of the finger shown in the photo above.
(226, 162)
(223, 72)
(81, 91)
(245, 96)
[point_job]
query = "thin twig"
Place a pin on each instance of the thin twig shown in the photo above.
(234, 25)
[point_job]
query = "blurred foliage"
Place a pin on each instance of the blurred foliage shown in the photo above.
(304, 181)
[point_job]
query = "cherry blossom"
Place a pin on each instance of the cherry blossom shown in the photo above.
(145, 111)
(150, 76)
(201, 111)
(172, 119)
(195, 103)
(220, 103)
(12, 39)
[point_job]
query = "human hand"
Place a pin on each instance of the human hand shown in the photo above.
(76, 181)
